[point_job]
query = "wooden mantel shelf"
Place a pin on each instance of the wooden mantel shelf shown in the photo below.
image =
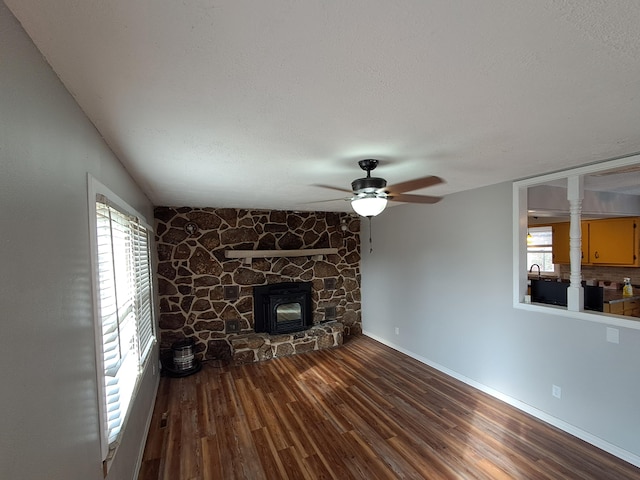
(248, 255)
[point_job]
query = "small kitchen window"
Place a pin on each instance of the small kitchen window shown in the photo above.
(539, 243)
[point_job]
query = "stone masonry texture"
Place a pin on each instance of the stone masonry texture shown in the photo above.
(193, 273)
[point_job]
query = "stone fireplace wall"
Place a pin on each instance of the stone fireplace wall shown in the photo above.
(209, 298)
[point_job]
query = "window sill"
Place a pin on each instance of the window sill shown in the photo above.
(596, 317)
(106, 463)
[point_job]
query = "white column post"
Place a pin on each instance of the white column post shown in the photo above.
(575, 292)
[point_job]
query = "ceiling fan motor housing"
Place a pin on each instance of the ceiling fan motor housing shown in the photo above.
(368, 184)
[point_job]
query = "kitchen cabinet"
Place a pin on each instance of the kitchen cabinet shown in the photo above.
(560, 242)
(610, 241)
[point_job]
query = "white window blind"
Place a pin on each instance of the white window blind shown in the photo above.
(539, 248)
(125, 308)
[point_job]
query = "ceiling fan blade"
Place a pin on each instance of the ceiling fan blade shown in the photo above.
(416, 184)
(350, 192)
(327, 201)
(413, 198)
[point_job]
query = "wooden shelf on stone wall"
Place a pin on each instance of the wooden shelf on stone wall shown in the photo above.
(248, 255)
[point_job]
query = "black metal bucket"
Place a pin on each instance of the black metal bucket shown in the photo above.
(183, 356)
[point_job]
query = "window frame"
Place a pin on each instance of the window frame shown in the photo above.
(96, 189)
(520, 225)
(540, 247)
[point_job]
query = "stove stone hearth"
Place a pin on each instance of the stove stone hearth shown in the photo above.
(256, 347)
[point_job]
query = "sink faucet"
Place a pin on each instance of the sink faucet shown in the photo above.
(535, 265)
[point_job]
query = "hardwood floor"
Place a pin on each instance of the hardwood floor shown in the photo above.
(360, 411)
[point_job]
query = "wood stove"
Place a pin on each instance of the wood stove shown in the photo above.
(282, 307)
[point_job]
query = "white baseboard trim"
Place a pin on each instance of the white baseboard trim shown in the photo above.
(539, 414)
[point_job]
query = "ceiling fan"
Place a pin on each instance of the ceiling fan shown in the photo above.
(370, 194)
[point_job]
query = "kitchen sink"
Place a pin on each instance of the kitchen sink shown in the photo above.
(555, 293)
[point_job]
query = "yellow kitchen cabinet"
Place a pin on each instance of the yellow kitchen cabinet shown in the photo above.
(613, 241)
(560, 242)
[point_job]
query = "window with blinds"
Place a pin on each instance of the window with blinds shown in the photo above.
(125, 308)
(539, 248)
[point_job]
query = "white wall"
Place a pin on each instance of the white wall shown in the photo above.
(48, 403)
(443, 275)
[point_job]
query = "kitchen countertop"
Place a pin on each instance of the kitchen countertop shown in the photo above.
(615, 296)
(610, 295)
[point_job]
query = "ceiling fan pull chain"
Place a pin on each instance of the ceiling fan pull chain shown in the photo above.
(370, 241)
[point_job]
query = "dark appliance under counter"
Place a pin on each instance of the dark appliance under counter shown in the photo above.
(555, 293)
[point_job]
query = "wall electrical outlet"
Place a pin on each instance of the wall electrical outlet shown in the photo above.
(613, 335)
(397, 331)
(556, 391)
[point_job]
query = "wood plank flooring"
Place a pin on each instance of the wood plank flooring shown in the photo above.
(360, 411)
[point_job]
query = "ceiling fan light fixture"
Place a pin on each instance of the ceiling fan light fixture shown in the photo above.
(369, 195)
(368, 205)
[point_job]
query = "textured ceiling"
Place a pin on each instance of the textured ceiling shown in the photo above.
(249, 103)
